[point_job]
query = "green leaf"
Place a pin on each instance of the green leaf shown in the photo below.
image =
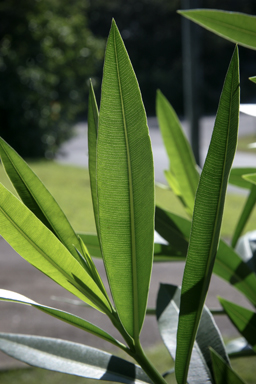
(93, 120)
(236, 177)
(228, 264)
(183, 175)
(246, 212)
(250, 176)
(41, 248)
(239, 348)
(168, 302)
(207, 218)
(223, 373)
(233, 26)
(61, 315)
(243, 319)
(162, 252)
(253, 79)
(71, 358)
(37, 198)
(125, 186)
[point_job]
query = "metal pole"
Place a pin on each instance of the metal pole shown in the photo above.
(191, 75)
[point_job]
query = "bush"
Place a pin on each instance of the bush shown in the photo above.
(47, 54)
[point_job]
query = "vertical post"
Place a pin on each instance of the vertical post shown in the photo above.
(191, 75)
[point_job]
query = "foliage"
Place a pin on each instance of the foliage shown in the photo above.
(122, 186)
(47, 54)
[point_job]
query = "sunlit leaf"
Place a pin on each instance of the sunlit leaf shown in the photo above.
(183, 176)
(253, 79)
(237, 27)
(243, 319)
(207, 219)
(41, 248)
(71, 358)
(61, 315)
(37, 198)
(125, 186)
(223, 373)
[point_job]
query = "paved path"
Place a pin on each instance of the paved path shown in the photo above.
(17, 275)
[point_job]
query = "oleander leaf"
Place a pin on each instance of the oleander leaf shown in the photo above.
(243, 319)
(236, 177)
(125, 186)
(207, 217)
(223, 373)
(61, 315)
(93, 121)
(183, 175)
(40, 247)
(168, 302)
(239, 28)
(239, 348)
(250, 176)
(37, 198)
(71, 358)
(253, 79)
(245, 214)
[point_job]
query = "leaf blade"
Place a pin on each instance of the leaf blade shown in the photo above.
(71, 358)
(223, 373)
(237, 27)
(125, 151)
(207, 218)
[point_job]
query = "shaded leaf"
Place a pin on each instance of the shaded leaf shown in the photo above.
(237, 27)
(236, 177)
(183, 176)
(71, 358)
(125, 186)
(93, 119)
(37, 198)
(168, 301)
(207, 218)
(61, 315)
(223, 373)
(239, 348)
(243, 319)
(38, 245)
(246, 212)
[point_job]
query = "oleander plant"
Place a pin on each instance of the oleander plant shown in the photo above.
(122, 187)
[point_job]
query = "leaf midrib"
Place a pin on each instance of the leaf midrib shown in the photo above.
(132, 216)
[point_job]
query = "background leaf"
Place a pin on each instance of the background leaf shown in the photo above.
(182, 161)
(223, 373)
(243, 319)
(71, 358)
(125, 185)
(207, 218)
(236, 177)
(236, 27)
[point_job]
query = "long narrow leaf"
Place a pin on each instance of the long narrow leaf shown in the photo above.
(239, 348)
(168, 302)
(253, 79)
(125, 186)
(246, 212)
(223, 373)
(182, 161)
(61, 315)
(243, 319)
(71, 358)
(38, 245)
(37, 198)
(236, 27)
(236, 177)
(93, 120)
(207, 218)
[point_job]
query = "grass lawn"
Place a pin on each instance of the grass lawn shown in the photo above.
(71, 188)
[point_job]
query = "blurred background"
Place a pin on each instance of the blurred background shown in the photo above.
(50, 48)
